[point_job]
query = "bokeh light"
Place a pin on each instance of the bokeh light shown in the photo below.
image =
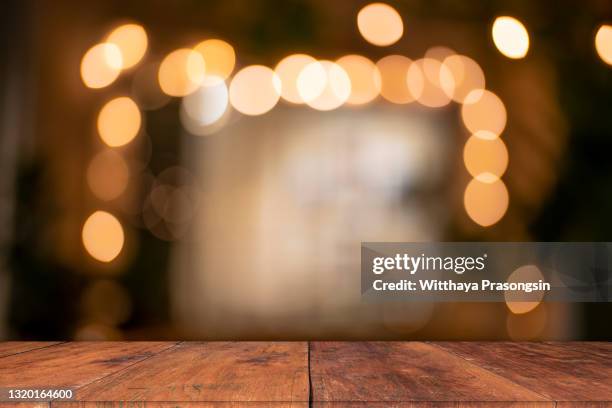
(434, 75)
(364, 76)
(132, 42)
(255, 90)
(510, 37)
(101, 65)
(181, 72)
(603, 43)
(119, 121)
(485, 157)
(526, 273)
(219, 58)
(398, 84)
(486, 202)
(107, 175)
(324, 85)
(380, 24)
(288, 70)
(103, 236)
(466, 76)
(208, 104)
(483, 110)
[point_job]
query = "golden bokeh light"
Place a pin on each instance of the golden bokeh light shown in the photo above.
(219, 58)
(380, 24)
(103, 236)
(603, 43)
(132, 42)
(485, 157)
(486, 202)
(483, 110)
(435, 74)
(101, 65)
(119, 121)
(208, 104)
(399, 83)
(181, 72)
(324, 85)
(526, 273)
(107, 175)
(288, 70)
(364, 76)
(254, 90)
(466, 76)
(510, 37)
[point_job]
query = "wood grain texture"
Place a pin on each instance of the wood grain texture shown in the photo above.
(8, 348)
(406, 374)
(213, 372)
(560, 371)
(73, 364)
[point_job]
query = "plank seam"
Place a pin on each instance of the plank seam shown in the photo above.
(310, 401)
(118, 371)
(35, 349)
(548, 398)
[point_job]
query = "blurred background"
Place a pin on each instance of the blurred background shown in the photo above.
(207, 169)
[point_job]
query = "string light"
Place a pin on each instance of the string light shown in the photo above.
(603, 43)
(510, 37)
(254, 90)
(119, 121)
(103, 236)
(101, 65)
(380, 24)
(131, 39)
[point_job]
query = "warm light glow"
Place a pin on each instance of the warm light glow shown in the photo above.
(486, 202)
(288, 70)
(103, 236)
(466, 76)
(324, 85)
(107, 175)
(119, 121)
(219, 58)
(483, 110)
(101, 65)
(399, 84)
(364, 76)
(254, 90)
(485, 157)
(434, 75)
(603, 43)
(181, 72)
(526, 273)
(132, 42)
(380, 24)
(510, 37)
(208, 104)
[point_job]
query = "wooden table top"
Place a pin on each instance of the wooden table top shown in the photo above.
(302, 374)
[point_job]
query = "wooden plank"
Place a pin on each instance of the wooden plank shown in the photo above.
(406, 374)
(562, 372)
(213, 372)
(73, 364)
(8, 348)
